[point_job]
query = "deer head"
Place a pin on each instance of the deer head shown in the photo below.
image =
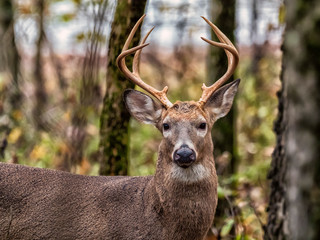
(185, 126)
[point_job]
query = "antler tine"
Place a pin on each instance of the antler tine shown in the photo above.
(136, 58)
(233, 59)
(134, 76)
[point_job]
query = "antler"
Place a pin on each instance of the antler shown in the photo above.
(233, 59)
(134, 75)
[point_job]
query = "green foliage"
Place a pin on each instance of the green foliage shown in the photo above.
(256, 111)
(227, 227)
(145, 140)
(67, 17)
(282, 14)
(82, 36)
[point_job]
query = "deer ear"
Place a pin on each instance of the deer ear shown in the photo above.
(220, 102)
(142, 107)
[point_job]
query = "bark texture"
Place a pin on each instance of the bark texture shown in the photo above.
(302, 77)
(294, 209)
(114, 121)
(276, 226)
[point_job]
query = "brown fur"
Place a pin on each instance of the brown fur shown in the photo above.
(47, 204)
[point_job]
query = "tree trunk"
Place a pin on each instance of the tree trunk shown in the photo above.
(9, 53)
(114, 121)
(296, 162)
(302, 76)
(40, 91)
(90, 96)
(223, 130)
(9, 63)
(223, 137)
(277, 219)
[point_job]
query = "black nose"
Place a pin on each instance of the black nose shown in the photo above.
(184, 156)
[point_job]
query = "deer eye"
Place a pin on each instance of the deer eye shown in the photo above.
(166, 126)
(202, 126)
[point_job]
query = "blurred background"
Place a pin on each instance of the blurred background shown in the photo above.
(60, 93)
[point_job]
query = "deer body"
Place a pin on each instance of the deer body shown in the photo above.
(177, 203)
(49, 204)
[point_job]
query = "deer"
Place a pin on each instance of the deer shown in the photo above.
(178, 202)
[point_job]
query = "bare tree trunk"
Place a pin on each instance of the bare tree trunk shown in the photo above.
(9, 62)
(296, 158)
(90, 96)
(40, 91)
(9, 53)
(114, 121)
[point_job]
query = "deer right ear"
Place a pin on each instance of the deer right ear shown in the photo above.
(142, 107)
(220, 102)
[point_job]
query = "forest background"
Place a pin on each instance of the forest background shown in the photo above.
(61, 104)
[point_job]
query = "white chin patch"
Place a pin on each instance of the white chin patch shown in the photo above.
(194, 173)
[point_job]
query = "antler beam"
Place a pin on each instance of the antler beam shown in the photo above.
(134, 75)
(233, 59)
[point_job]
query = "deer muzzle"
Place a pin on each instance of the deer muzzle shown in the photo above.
(184, 157)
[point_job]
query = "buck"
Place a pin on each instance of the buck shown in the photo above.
(178, 202)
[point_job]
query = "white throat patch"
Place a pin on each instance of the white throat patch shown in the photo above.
(194, 173)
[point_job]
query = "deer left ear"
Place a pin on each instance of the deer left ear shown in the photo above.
(220, 102)
(142, 107)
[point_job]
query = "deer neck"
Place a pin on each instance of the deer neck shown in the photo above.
(184, 206)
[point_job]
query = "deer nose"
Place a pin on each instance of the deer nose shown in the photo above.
(184, 156)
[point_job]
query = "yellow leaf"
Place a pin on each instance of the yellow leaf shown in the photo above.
(38, 152)
(17, 115)
(14, 135)
(67, 116)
